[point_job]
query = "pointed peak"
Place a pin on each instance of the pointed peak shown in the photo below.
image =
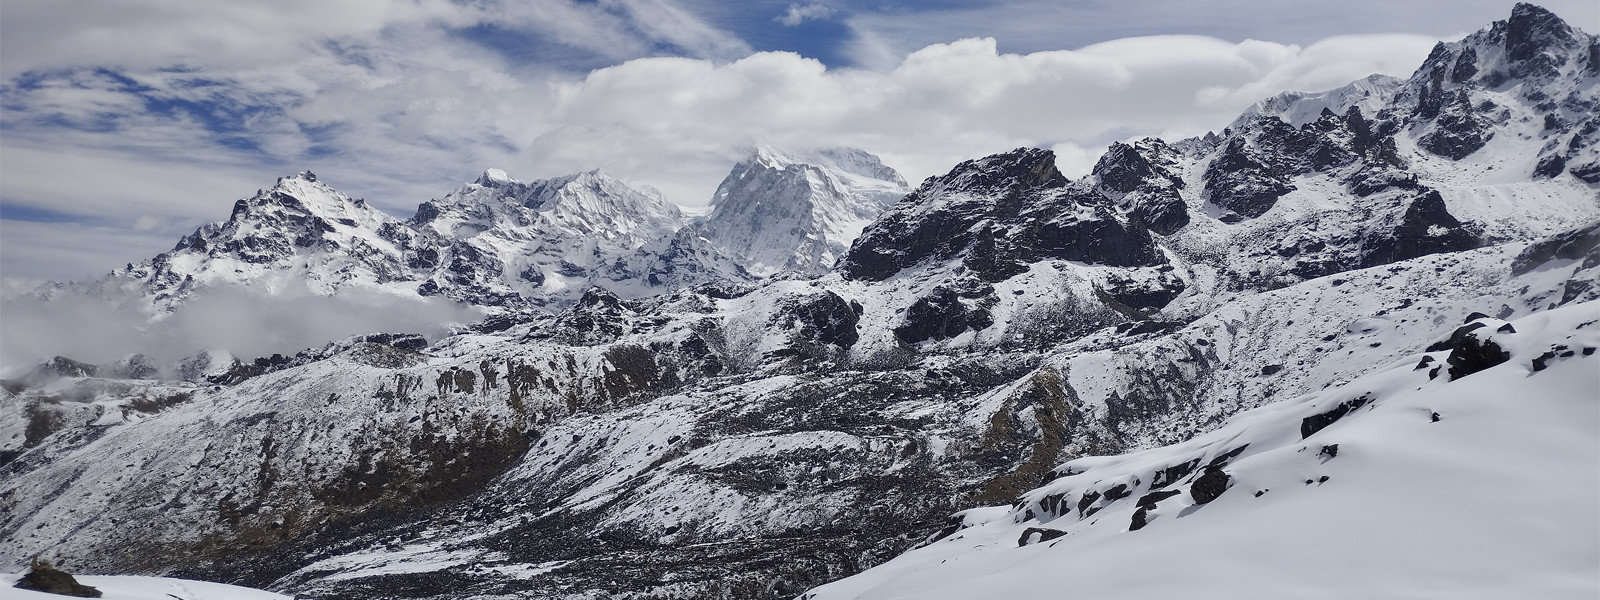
(768, 156)
(492, 177)
(304, 176)
(1532, 29)
(1024, 168)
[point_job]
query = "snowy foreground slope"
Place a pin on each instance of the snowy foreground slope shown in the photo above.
(756, 440)
(1477, 486)
(132, 587)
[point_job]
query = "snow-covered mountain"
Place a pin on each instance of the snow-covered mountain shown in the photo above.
(756, 440)
(299, 232)
(501, 242)
(798, 212)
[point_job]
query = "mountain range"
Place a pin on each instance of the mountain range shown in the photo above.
(1387, 291)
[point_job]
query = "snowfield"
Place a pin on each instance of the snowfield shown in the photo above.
(131, 587)
(1480, 487)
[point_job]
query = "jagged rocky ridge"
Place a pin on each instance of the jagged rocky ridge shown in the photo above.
(755, 441)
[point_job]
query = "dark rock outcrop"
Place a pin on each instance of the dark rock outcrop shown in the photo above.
(44, 577)
(940, 315)
(999, 214)
(1583, 242)
(62, 366)
(1470, 354)
(1240, 182)
(1458, 130)
(599, 317)
(1037, 535)
(1149, 189)
(1209, 485)
(1426, 227)
(1531, 30)
(1320, 421)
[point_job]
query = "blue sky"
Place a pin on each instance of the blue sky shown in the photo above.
(124, 125)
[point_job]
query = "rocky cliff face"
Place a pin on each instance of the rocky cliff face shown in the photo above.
(752, 439)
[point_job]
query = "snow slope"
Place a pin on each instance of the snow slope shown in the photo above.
(133, 587)
(1480, 486)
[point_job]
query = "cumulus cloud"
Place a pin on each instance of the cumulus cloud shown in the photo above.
(243, 322)
(800, 13)
(941, 104)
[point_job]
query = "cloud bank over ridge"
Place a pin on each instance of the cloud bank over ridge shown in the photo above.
(159, 116)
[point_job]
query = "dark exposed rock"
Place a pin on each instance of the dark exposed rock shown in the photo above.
(1320, 421)
(1532, 29)
(998, 214)
(1161, 210)
(1172, 474)
(1149, 189)
(817, 325)
(1124, 169)
(1144, 294)
(1209, 485)
(1589, 173)
(1117, 492)
(1088, 499)
(1550, 166)
(1458, 130)
(1426, 227)
(1147, 326)
(1371, 180)
(940, 315)
(1580, 243)
(1038, 535)
(1330, 451)
(62, 366)
(44, 577)
(404, 341)
(1542, 361)
(1140, 519)
(1466, 66)
(1241, 183)
(599, 317)
(1222, 460)
(632, 369)
(1470, 354)
(1149, 500)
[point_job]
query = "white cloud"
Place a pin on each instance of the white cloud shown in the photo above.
(941, 104)
(394, 103)
(241, 321)
(800, 13)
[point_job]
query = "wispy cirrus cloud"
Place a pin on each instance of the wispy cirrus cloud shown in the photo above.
(800, 13)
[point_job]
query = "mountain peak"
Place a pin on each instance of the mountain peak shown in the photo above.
(1532, 29)
(798, 211)
(1021, 169)
(494, 178)
(303, 194)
